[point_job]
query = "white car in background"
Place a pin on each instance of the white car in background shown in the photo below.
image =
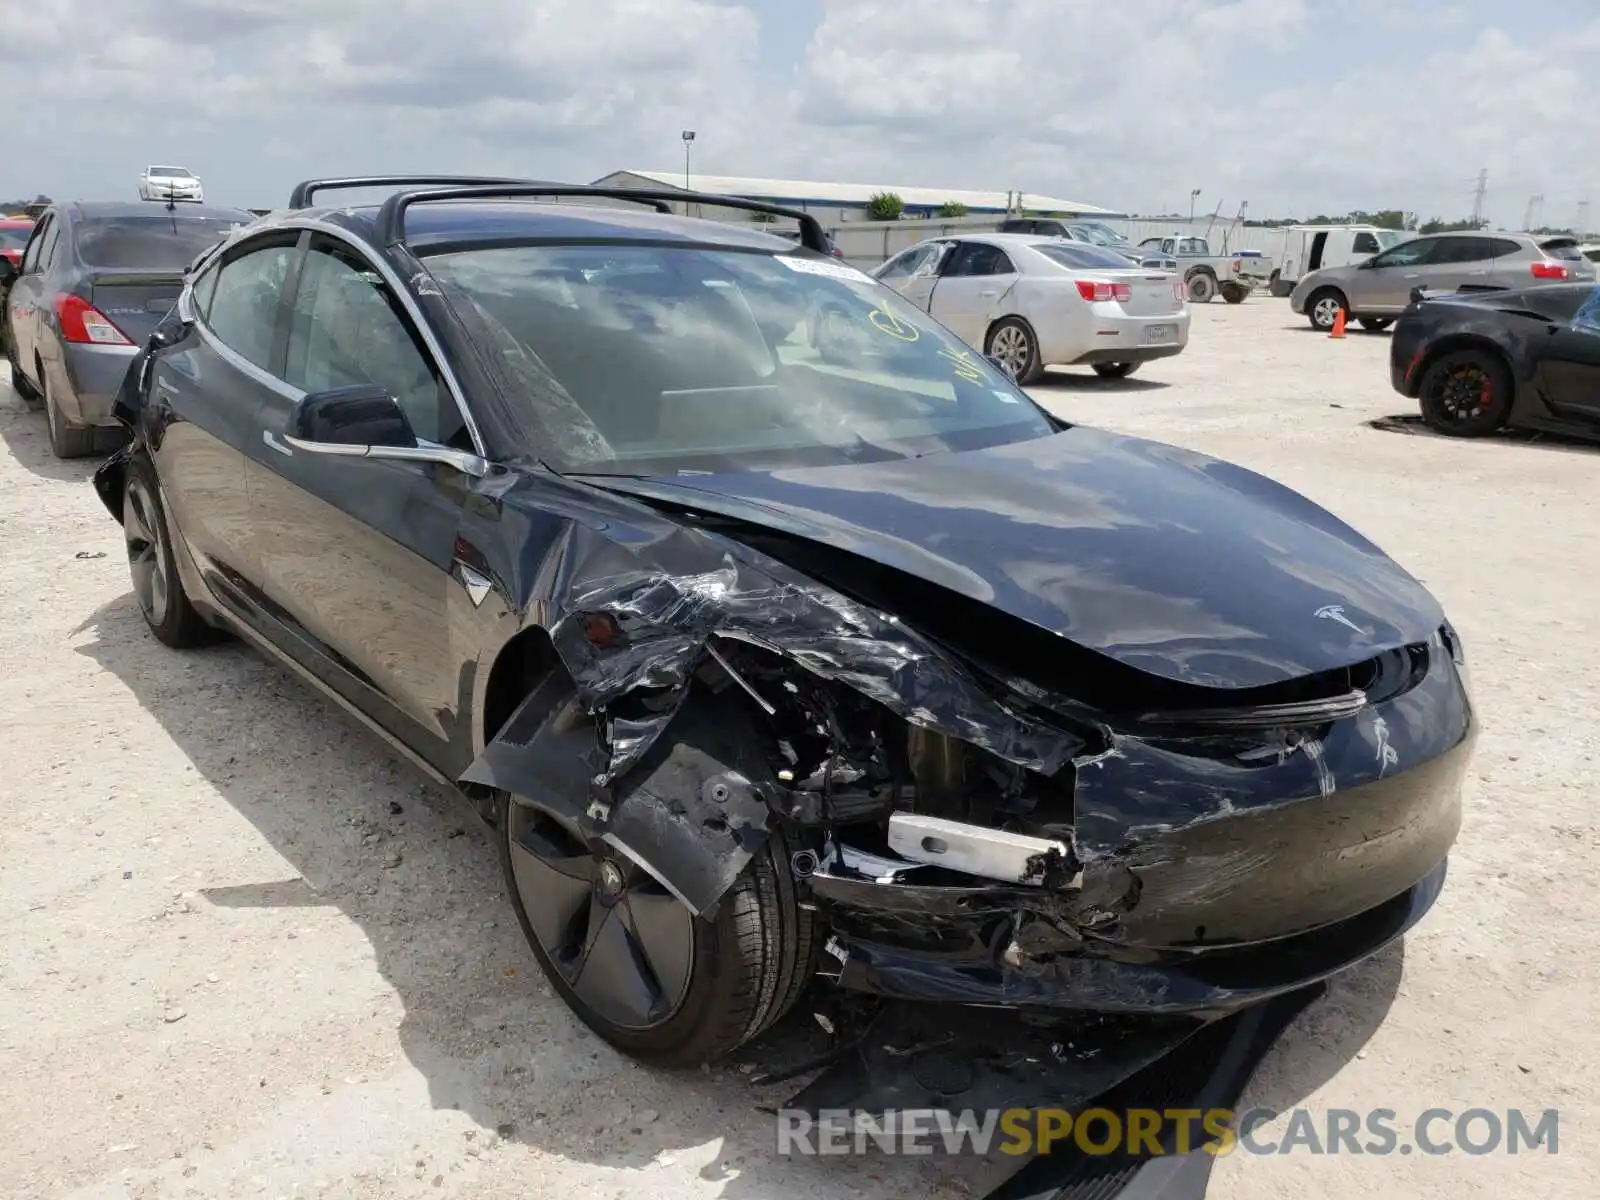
(170, 183)
(1029, 302)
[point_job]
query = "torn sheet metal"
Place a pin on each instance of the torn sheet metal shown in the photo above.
(720, 588)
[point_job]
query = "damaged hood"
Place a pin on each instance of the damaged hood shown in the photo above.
(1169, 562)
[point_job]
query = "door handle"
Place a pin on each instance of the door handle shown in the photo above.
(989, 295)
(276, 443)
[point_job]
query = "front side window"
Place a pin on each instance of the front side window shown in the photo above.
(346, 329)
(653, 360)
(905, 265)
(1408, 254)
(1366, 243)
(244, 308)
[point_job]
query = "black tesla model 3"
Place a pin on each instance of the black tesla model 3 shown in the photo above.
(769, 660)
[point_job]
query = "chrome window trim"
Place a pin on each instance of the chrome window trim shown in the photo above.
(365, 249)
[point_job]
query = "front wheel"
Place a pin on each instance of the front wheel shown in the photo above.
(1375, 324)
(1234, 293)
(1323, 309)
(1115, 370)
(1202, 287)
(1012, 345)
(1466, 394)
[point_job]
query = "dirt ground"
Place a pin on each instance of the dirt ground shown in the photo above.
(247, 951)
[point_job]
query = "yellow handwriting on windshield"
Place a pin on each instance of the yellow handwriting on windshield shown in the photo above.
(893, 326)
(966, 367)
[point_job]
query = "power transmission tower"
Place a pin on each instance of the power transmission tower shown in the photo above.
(1582, 229)
(1535, 206)
(1478, 195)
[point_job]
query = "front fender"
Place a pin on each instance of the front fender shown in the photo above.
(693, 812)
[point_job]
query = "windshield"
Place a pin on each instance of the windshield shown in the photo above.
(164, 243)
(649, 360)
(1103, 235)
(1391, 237)
(1093, 258)
(169, 172)
(14, 237)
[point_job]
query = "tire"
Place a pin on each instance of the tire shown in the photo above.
(731, 976)
(20, 385)
(1115, 370)
(1322, 306)
(1375, 324)
(1467, 393)
(1202, 286)
(157, 586)
(1011, 342)
(1234, 293)
(65, 441)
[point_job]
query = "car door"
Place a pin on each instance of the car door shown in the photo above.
(356, 554)
(1569, 361)
(27, 293)
(974, 278)
(1383, 283)
(921, 272)
(205, 396)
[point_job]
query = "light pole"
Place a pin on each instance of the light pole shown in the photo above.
(1193, 196)
(688, 137)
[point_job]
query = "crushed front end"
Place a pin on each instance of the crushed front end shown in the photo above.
(998, 817)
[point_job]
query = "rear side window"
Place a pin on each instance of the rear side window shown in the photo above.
(35, 250)
(164, 243)
(978, 258)
(243, 312)
(1500, 247)
(347, 329)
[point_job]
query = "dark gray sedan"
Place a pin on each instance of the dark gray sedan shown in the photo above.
(93, 282)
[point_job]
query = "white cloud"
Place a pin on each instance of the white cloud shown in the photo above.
(1294, 106)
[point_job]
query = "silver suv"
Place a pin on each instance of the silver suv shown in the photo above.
(1376, 291)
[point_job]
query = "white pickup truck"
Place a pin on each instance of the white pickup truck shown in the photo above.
(1207, 274)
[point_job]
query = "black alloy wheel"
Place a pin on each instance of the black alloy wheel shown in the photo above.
(620, 943)
(1466, 394)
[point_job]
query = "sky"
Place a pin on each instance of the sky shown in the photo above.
(1299, 107)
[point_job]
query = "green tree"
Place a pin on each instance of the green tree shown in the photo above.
(1437, 225)
(885, 206)
(952, 208)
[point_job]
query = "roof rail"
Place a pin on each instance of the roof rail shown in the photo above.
(391, 227)
(304, 190)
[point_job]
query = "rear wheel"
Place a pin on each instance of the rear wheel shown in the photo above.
(1323, 309)
(1011, 344)
(1115, 370)
(156, 584)
(1466, 394)
(65, 441)
(20, 385)
(1375, 324)
(1202, 287)
(631, 960)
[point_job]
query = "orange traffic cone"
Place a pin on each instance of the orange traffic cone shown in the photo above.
(1338, 324)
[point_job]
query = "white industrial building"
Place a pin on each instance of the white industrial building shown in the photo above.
(833, 203)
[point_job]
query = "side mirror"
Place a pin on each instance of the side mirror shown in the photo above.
(359, 417)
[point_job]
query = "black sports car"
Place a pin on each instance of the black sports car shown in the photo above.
(1482, 361)
(766, 664)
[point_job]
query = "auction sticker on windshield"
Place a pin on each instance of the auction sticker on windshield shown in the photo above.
(833, 270)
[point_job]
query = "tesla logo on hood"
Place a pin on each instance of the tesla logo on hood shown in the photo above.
(1335, 612)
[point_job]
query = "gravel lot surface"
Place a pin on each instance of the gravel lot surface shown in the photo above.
(247, 951)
